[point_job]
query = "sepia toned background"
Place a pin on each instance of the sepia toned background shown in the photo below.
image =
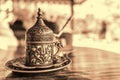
(93, 25)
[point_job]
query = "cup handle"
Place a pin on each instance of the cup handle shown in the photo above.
(57, 45)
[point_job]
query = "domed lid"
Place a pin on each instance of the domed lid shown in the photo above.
(40, 32)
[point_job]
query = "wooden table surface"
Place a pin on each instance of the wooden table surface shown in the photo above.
(87, 64)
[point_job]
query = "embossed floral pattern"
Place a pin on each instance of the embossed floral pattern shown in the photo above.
(39, 54)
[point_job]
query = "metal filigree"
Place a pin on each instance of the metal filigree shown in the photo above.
(40, 44)
(39, 54)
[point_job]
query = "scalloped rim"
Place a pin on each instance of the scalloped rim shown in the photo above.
(39, 71)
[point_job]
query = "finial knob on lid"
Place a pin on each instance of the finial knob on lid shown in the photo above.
(39, 13)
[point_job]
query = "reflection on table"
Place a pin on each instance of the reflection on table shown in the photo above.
(87, 64)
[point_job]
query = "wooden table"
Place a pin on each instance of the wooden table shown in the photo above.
(87, 64)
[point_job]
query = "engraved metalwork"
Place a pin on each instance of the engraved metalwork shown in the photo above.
(40, 32)
(39, 54)
(40, 45)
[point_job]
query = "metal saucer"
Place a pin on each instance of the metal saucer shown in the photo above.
(18, 65)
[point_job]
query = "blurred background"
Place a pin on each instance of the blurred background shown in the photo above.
(94, 23)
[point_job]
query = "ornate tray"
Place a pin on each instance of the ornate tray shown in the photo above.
(18, 65)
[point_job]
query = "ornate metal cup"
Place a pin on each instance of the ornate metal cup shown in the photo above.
(41, 54)
(41, 46)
